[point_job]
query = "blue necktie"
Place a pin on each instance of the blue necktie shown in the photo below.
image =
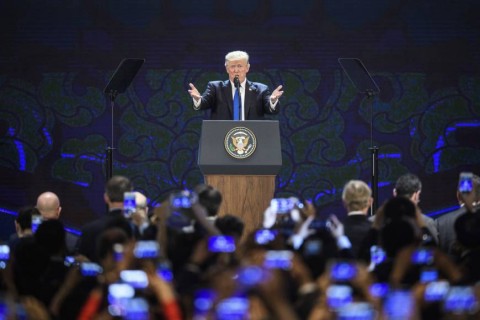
(236, 105)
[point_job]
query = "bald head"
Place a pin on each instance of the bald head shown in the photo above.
(49, 205)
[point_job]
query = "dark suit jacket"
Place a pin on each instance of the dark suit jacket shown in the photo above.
(446, 231)
(356, 227)
(218, 98)
(87, 243)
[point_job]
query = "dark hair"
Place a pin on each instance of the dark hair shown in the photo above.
(407, 185)
(396, 235)
(116, 187)
(24, 217)
(230, 225)
(398, 208)
(467, 229)
(107, 240)
(51, 236)
(209, 197)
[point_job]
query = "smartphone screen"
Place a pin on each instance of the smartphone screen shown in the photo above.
(422, 256)
(356, 311)
(428, 275)
(146, 249)
(90, 269)
(129, 204)
(265, 236)
(251, 276)
(379, 290)
(136, 278)
(203, 301)
(436, 291)
(232, 308)
(282, 205)
(339, 296)
(36, 221)
(278, 259)
(399, 304)
(460, 299)
(465, 183)
(221, 244)
(118, 296)
(343, 271)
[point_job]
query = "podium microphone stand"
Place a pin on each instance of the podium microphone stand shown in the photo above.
(119, 82)
(363, 82)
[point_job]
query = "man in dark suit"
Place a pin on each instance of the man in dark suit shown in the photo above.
(445, 223)
(255, 98)
(357, 199)
(114, 194)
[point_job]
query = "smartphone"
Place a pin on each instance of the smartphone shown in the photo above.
(90, 269)
(399, 304)
(356, 311)
(129, 204)
(4, 255)
(460, 299)
(182, 200)
(343, 271)
(136, 278)
(36, 221)
(422, 256)
(436, 291)
(251, 276)
(232, 308)
(118, 295)
(265, 236)
(164, 271)
(312, 247)
(379, 290)
(465, 183)
(377, 255)
(136, 308)
(69, 261)
(282, 205)
(221, 243)
(278, 259)
(203, 301)
(146, 249)
(428, 275)
(339, 296)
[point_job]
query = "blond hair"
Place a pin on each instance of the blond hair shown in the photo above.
(356, 195)
(236, 55)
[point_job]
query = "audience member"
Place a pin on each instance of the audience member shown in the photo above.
(410, 186)
(445, 223)
(357, 199)
(114, 195)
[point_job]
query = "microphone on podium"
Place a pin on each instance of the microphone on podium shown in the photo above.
(236, 82)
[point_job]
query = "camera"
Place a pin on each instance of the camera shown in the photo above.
(136, 278)
(278, 259)
(221, 244)
(90, 269)
(147, 249)
(343, 271)
(129, 204)
(465, 183)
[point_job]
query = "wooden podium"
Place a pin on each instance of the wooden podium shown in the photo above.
(247, 182)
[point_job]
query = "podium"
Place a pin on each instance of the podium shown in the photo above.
(241, 160)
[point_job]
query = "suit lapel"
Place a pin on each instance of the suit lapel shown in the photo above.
(250, 94)
(227, 95)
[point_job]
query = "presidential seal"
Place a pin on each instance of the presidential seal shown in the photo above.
(240, 142)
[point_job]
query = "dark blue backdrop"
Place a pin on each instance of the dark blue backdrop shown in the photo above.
(57, 56)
